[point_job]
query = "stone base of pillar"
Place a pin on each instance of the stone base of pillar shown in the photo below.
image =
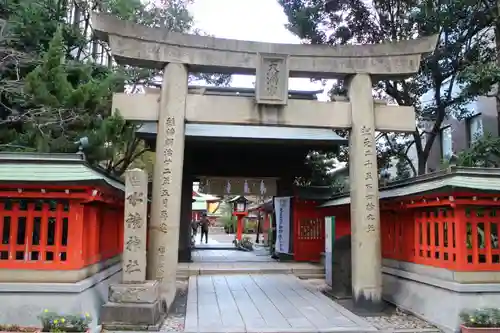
(367, 306)
(134, 307)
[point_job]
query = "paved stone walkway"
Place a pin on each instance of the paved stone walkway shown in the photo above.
(264, 304)
(259, 254)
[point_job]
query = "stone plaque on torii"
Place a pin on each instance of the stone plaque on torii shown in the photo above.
(273, 64)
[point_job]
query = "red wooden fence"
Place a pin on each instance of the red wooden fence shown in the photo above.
(458, 234)
(59, 230)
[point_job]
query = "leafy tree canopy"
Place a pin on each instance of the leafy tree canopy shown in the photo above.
(57, 81)
(443, 87)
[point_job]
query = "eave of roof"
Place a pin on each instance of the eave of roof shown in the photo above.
(322, 136)
(483, 179)
(52, 168)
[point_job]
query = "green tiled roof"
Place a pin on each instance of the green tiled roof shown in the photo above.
(54, 168)
(481, 179)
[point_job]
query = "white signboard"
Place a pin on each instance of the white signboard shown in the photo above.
(328, 234)
(282, 210)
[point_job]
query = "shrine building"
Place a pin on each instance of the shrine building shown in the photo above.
(439, 243)
(61, 228)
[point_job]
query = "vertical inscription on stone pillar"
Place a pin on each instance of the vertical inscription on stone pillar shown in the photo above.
(370, 184)
(167, 183)
(272, 79)
(134, 252)
(365, 220)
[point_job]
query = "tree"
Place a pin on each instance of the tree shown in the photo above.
(46, 105)
(403, 170)
(321, 164)
(462, 27)
(484, 152)
(63, 101)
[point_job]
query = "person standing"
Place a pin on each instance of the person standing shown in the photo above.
(194, 228)
(205, 224)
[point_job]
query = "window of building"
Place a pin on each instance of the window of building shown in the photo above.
(446, 143)
(474, 128)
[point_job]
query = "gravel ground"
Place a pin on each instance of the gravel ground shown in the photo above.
(391, 319)
(177, 311)
(400, 321)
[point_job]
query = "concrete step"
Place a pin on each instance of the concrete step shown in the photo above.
(311, 276)
(301, 270)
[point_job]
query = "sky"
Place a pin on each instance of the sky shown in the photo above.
(254, 20)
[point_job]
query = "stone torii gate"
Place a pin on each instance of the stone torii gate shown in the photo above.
(178, 54)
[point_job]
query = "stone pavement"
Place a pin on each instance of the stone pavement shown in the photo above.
(232, 255)
(276, 303)
(210, 262)
(300, 269)
(220, 241)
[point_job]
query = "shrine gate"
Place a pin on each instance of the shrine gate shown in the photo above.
(179, 115)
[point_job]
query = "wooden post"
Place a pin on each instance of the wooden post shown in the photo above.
(239, 232)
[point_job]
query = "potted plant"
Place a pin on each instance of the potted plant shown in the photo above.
(244, 245)
(55, 322)
(480, 321)
(17, 328)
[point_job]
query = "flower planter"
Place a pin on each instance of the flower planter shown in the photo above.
(87, 331)
(19, 329)
(465, 329)
(67, 330)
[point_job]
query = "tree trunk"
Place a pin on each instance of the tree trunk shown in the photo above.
(422, 161)
(497, 47)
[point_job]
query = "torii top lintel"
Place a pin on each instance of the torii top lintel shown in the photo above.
(147, 47)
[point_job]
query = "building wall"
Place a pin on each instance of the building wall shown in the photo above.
(22, 303)
(483, 108)
(411, 287)
(457, 135)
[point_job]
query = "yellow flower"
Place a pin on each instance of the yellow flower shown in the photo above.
(56, 321)
(63, 320)
(45, 310)
(87, 314)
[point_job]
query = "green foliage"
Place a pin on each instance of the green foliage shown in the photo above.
(484, 152)
(250, 226)
(17, 328)
(65, 101)
(448, 79)
(245, 244)
(321, 165)
(403, 170)
(229, 222)
(489, 317)
(52, 90)
(55, 322)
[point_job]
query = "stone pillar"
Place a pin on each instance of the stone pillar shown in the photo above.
(134, 304)
(167, 181)
(135, 230)
(365, 215)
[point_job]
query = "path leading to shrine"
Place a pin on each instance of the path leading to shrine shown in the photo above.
(259, 261)
(264, 303)
(235, 291)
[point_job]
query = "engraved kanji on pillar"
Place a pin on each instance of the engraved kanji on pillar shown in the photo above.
(135, 230)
